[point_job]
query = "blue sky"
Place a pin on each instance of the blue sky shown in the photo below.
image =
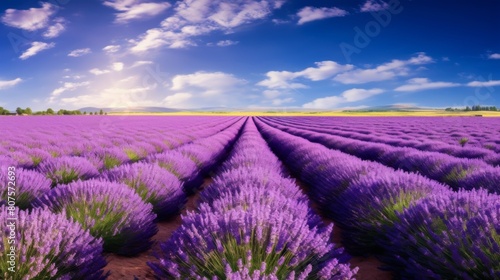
(248, 53)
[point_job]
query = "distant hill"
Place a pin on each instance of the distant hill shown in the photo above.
(129, 110)
(393, 108)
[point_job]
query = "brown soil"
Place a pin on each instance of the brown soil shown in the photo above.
(368, 266)
(125, 268)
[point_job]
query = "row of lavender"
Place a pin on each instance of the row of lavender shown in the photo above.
(420, 228)
(32, 180)
(455, 172)
(252, 223)
(482, 133)
(489, 153)
(114, 212)
(104, 141)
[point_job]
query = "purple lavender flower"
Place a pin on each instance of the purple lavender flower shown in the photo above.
(28, 186)
(49, 246)
(448, 236)
(67, 169)
(369, 207)
(111, 211)
(107, 158)
(153, 184)
(192, 250)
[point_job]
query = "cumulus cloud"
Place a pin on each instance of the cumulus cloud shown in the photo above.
(124, 92)
(68, 87)
(79, 52)
(374, 6)
(383, 72)
(55, 29)
(210, 83)
(141, 62)
(322, 71)
(200, 17)
(97, 71)
(129, 10)
(206, 89)
(494, 56)
(117, 66)
(9, 83)
(308, 14)
(111, 48)
(418, 84)
(490, 83)
(224, 43)
(31, 19)
(35, 48)
(351, 95)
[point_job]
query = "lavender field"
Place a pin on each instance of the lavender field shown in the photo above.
(249, 197)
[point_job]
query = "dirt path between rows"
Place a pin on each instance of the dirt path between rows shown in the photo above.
(368, 266)
(125, 268)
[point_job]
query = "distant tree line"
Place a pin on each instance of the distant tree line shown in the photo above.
(473, 108)
(49, 111)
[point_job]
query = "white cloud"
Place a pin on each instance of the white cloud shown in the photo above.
(210, 83)
(35, 48)
(97, 71)
(178, 100)
(357, 94)
(117, 66)
(10, 83)
(308, 14)
(140, 63)
(55, 29)
(31, 19)
(382, 72)
(490, 83)
(374, 6)
(206, 89)
(494, 56)
(79, 52)
(139, 11)
(112, 97)
(68, 87)
(224, 43)
(200, 17)
(111, 48)
(417, 84)
(281, 101)
(351, 95)
(322, 71)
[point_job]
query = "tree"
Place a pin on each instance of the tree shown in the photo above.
(91, 113)
(28, 111)
(101, 112)
(19, 111)
(50, 111)
(4, 111)
(84, 112)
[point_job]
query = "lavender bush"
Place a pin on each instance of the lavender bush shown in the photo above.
(64, 170)
(111, 211)
(370, 206)
(153, 184)
(28, 185)
(49, 246)
(213, 245)
(448, 236)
